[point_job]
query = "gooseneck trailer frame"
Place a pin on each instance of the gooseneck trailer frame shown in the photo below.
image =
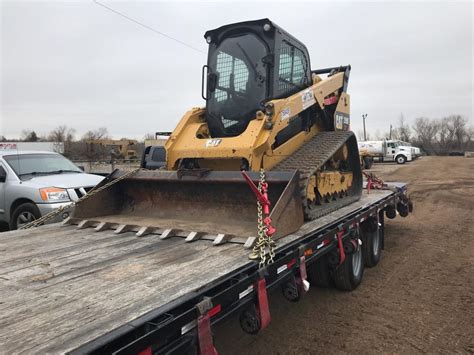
(70, 290)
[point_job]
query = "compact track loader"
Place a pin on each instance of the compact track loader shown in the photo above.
(265, 109)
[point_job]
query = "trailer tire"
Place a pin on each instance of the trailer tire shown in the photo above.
(318, 273)
(401, 159)
(348, 275)
(371, 244)
(250, 321)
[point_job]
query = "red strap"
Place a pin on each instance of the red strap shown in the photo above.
(147, 351)
(263, 308)
(342, 255)
(206, 347)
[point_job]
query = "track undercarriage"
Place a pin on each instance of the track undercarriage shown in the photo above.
(330, 174)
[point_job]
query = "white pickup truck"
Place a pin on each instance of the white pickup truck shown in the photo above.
(387, 150)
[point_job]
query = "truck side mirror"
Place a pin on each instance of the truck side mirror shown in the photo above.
(3, 175)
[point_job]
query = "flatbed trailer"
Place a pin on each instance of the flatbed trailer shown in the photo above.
(65, 289)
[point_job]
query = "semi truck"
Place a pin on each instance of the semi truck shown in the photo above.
(386, 150)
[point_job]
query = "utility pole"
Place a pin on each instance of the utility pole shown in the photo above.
(364, 116)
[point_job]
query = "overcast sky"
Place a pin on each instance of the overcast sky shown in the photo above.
(78, 64)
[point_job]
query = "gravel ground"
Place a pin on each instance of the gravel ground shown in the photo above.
(418, 299)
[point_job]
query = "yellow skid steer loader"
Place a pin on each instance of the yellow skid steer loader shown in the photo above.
(268, 115)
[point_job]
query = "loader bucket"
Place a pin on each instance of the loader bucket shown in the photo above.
(216, 203)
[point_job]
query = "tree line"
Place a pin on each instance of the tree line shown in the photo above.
(434, 136)
(443, 136)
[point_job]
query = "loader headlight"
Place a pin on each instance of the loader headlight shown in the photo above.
(208, 39)
(54, 194)
(267, 27)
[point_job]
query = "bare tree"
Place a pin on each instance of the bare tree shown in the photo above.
(360, 135)
(62, 134)
(148, 136)
(402, 132)
(29, 136)
(426, 131)
(100, 133)
(458, 131)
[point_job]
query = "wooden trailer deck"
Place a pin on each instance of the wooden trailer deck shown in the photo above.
(61, 287)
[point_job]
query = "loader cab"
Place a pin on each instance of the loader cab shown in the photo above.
(248, 64)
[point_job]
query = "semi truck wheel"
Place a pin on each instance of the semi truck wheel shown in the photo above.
(24, 214)
(371, 242)
(401, 159)
(368, 162)
(348, 275)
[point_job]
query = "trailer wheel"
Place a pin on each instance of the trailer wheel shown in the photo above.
(290, 290)
(250, 321)
(371, 242)
(318, 273)
(401, 159)
(348, 275)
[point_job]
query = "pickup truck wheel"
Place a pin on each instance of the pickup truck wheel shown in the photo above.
(348, 275)
(401, 159)
(24, 214)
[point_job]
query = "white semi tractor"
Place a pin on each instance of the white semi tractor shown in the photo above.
(388, 150)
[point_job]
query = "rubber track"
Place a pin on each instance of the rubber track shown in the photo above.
(310, 157)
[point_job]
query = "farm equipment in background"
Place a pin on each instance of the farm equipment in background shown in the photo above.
(112, 148)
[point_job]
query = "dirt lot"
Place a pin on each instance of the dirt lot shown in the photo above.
(420, 298)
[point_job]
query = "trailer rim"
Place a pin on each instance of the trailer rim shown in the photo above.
(357, 261)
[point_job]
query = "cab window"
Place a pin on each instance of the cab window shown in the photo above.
(291, 69)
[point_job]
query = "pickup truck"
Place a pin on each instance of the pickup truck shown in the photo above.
(34, 183)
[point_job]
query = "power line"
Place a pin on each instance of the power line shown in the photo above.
(148, 27)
